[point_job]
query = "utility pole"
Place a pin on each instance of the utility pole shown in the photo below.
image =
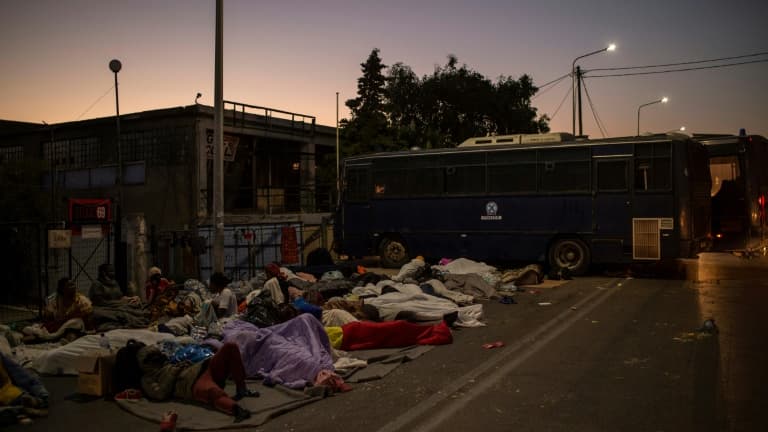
(218, 143)
(338, 174)
(578, 88)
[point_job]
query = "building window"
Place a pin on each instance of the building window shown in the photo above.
(73, 153)
(14, 153)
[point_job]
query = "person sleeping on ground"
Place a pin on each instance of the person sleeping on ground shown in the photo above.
(203, 381)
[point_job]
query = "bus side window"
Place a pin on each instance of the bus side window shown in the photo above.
(653, 167)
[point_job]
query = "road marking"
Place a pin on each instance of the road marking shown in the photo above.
(520, 350)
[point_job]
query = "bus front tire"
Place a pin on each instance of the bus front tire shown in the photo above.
(570, 253)
(393, 253)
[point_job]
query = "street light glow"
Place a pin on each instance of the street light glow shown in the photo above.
(664, 99)
(682, 128)
(611, 47)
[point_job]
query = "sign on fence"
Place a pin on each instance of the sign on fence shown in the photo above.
(59, 239)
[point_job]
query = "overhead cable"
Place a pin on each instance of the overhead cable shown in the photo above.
(557, 81)
(599, 123)
(94, 103)
(675, 70)
(561, 103)
(681, 63)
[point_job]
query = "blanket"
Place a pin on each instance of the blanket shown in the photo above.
(120, 316)
(272, 402)
(425, 307)
(291, 353)
(41, 333)
(61, 359)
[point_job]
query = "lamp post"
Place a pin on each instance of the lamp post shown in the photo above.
(662, 100)
(576, 84)
(115, 67)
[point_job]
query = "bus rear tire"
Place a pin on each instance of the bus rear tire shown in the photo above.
(393, 253)
(570, 253)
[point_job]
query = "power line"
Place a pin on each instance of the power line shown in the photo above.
(602, 129)
(554, 80)
(561, 103)
(681, 63)
(676, 70)
(97, 101)
(557, 81)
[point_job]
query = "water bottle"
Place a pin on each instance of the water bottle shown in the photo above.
(104, 342)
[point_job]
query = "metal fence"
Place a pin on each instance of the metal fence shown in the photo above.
(22, 279)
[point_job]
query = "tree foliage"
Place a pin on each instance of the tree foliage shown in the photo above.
(399, 110)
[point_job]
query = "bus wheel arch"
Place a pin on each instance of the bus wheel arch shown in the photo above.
(571, 253)
(393, 252)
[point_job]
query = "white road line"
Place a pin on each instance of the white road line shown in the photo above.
(511, 357)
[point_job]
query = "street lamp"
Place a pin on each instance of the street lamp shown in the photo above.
(115, 67)
(662, 100)
(576, 84)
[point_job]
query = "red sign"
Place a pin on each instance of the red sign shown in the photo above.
(85, 211)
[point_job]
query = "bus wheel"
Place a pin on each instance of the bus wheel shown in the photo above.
(393, 253)
(570, 253)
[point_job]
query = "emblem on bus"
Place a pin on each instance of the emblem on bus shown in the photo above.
(491, 210)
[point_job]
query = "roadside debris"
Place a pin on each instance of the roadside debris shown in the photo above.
(493, 345)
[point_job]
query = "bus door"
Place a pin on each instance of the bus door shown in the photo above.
(356, 213)
(611, 207)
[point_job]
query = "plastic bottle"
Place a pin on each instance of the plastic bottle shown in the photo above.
(104, 342)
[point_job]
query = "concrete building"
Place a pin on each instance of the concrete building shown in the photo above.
(158, 211)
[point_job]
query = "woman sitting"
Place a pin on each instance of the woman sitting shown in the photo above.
(67, 304)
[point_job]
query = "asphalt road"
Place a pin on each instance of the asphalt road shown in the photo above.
(606, 354)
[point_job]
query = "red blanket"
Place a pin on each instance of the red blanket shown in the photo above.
(392, 334)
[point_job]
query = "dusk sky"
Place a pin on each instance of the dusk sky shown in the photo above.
(295, 55)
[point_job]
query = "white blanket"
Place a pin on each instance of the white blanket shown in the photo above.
(58, 360)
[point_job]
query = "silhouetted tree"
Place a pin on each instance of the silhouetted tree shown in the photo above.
(401, 110)
(368, 129)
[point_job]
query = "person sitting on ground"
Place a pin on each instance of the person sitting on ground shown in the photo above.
(224, 300)
(66, 304)
(203, 381)
(105, 290)
(156, 284)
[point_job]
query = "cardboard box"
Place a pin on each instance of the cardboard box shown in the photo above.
(94, 373)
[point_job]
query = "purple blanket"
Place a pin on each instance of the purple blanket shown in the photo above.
(291, 353)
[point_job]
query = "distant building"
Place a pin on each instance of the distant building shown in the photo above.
(165, 198)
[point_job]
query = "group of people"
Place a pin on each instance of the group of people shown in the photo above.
(68, 303)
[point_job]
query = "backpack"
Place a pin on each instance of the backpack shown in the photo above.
(127, 372)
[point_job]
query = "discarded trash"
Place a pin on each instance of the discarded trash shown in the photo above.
(545, 304)
(492, 345)
(507, 300)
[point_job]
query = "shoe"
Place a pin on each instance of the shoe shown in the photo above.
(131, 395)
(246, 393)
(240, 413)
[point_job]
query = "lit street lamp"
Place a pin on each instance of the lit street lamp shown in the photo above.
(662, 100)
(576, 84)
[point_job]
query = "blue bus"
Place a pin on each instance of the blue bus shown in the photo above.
(739, 190)
(529, 198)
